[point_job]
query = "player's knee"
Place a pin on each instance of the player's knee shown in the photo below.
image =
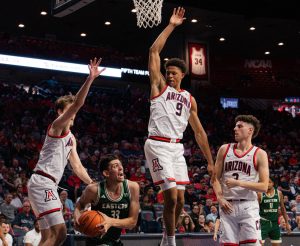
(170, 203)
(180, 202)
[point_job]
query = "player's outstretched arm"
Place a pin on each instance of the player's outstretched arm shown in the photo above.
(201, 137)
(283, 212)
(127, 223)
(77, 166)
(223, 203)
(263, 170)
(89, 195)
(61, 122)
(156, 78)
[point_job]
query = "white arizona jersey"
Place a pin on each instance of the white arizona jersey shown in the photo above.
(169, 113)
(198, 62)
(241, 167)
(54, 155)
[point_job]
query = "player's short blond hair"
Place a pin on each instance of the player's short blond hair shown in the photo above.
(63, 101)
(251, 120)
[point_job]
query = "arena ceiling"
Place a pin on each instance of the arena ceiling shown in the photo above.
(275, 21)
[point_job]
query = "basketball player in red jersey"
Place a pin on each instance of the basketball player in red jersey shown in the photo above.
(171, 110)
(241, 170)
(58, 148)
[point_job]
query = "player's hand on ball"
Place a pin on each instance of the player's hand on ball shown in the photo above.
(76, 216)
(231, 183)
(104, 227)
(225, 206)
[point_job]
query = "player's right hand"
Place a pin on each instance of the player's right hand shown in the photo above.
(215, 237)
(76, 216)
(225, 206)
(94, 68)
(178, 16)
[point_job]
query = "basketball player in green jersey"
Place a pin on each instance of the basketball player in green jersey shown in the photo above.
(269, 203)
(116, 198)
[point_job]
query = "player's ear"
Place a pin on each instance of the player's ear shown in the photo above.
(59, 111)
(105, 173)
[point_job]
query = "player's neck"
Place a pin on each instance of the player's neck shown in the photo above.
(271, 191)
(113, 187)
(244, 145)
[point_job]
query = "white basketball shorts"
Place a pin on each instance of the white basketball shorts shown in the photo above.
(242, 226)
(44, 200)
(166, 162)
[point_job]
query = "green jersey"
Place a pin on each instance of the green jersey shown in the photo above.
(118, 209)
(269, 206)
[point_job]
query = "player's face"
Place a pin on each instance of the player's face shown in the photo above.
(270, 185)
(242, 130)
(174, 76)
(116, 171)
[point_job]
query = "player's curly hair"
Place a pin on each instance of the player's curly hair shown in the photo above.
(104, 162)
(251, 120)
(177, 63)
(62, 101)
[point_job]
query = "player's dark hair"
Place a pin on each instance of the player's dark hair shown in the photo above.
(177, 63)
(104, 162)
(62, 101)
(251, 120)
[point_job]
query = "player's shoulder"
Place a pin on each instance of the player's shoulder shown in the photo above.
(132, 184)
(134, 187)
(260, 152)
(224, 147)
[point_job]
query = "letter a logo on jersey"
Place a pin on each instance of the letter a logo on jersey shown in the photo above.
(50, 195)
(156, 166)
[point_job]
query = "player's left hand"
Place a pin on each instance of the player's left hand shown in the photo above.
(104, 227)
(232, 183)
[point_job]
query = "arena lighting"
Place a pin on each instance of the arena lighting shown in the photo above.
(55, 65)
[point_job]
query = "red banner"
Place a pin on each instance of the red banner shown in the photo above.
(198, 60)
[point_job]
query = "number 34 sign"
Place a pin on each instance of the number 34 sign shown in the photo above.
(198, 60)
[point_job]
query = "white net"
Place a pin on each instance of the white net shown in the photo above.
(148, 12)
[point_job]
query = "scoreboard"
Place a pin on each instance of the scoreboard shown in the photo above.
(62, 8)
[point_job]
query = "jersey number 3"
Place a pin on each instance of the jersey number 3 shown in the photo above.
(235, 175)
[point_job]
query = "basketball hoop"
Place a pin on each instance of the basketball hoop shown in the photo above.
(148, 12)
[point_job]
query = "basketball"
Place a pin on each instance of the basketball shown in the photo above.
(88, 221)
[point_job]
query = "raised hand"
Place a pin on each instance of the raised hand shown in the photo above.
(178, 16)
(94, 68)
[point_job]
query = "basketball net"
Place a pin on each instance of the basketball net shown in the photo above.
(148, 12)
